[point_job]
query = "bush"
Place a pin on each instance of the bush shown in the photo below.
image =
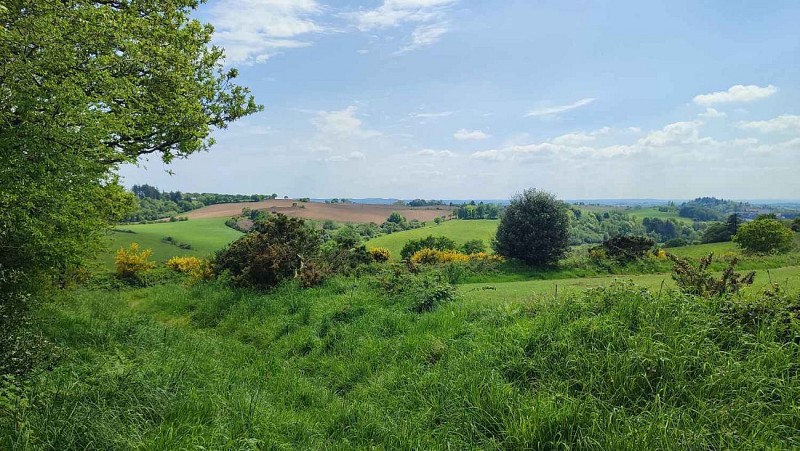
(796, 224)
(473, 247)
(441, 243)
(697, 280)
(676, 242)
(131, 263)
(275, 251)
(433, 256)
(197, 268)
(379, 254)
(534, 229)
(764, 236)
(627, 248)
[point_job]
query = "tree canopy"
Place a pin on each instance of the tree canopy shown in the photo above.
(87, 85)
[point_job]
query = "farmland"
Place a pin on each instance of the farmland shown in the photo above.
(350, 212)
(459, 231)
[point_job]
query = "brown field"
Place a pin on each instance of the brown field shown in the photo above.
(355, 213)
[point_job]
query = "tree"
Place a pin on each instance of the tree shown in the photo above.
(796, 224)
(764, 236)
(534, 229)
(85, 86)
(473, 247)
(396, 218)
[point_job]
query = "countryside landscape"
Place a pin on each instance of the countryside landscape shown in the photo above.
(203, 245)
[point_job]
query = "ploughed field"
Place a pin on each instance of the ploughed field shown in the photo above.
(352, 213)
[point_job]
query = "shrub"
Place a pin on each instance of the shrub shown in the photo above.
(764, 236)
(197, 268)
(131, 262)
(441, 243)
(796, 224)
(697, 280)
(379, 254)
(534, 229)
(275, 251)
(676, 242)
(473, 247)
(433, 256)
(627, 248)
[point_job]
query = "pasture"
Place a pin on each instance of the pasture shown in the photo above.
(459, 230)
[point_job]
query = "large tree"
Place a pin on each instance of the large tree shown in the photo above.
(534, 229)
(87, 85)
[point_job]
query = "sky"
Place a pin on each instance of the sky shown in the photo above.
(480, 99)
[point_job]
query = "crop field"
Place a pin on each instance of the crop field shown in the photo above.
(352, 213)
(459, 231)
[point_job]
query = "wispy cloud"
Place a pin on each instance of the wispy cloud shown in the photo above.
(738, 93)
(554, 110)
(464, 135)
(342, 124)
(712, 113)
(431, 115)
(423, 36)
(252, 31)
(434, 153)
(786, 122)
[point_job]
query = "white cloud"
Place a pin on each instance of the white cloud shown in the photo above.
(464, 135)
(342, 124)
(738, 93)
(712, 113)
(434, 153)
(431, 115)
(251, 31)
(489, 155)
(786, 122)
(394, 12)
(349, 157)
(551, 111)
(677, 133)
(423, 36)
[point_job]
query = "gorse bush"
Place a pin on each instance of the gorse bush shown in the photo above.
(433, 256)
(196, 268)
(698, 280)
(380, 254)
(131, 263)
(626, 248)
(276, 250)
(440, 243)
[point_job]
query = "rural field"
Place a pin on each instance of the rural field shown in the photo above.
(350, 212)
(399, 225)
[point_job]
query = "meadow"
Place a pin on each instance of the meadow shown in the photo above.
(459, 231)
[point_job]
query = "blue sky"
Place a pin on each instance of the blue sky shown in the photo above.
(481, 99)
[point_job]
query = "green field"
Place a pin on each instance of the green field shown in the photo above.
(204, 235)
(459, 231)
(653, 212)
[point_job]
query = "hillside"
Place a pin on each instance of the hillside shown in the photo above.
(354, 213)
(459, 231)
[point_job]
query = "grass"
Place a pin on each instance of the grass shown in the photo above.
(204, 235)
(459, 231)
(653, 212)
(349, 366)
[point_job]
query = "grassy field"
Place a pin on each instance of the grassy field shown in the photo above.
(459, 231)
(204, 235)
(350, 366)
(653, 212)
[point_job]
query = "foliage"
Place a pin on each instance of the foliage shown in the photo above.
(796, 224)
(154, 204)
(131, 263)
(276, 250)
(595, 227)
(478, 211)
(473, 247)
(627, 248)
(534, 229)
(441, 243)
(722, 231)
(87, 85)
(424, 203)
(196, 268)
(763, 236)
(433, 256)
(676, 242)
(380, 254)
(697, 279)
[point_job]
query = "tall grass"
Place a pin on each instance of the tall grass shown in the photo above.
(348, 365)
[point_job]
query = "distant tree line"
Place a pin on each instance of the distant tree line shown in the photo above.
(424, 203)
(478, 210)
(154, 204)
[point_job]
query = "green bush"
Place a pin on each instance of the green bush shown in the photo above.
(627, 248)
(764, 236)
(534, 229)
(473, 247)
